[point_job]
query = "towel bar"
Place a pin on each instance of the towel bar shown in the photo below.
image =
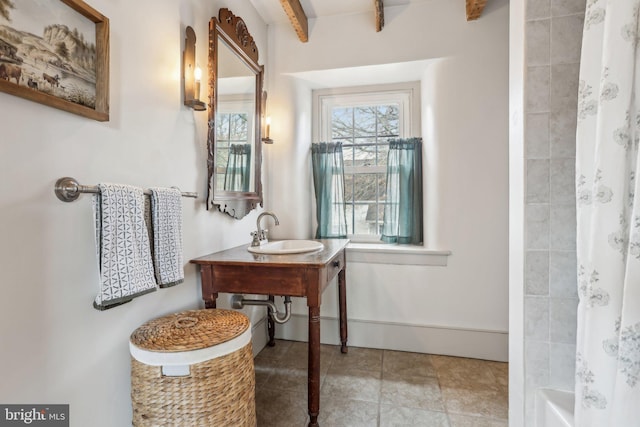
(68, 189)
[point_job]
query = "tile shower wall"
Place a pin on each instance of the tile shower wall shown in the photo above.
(553, 41)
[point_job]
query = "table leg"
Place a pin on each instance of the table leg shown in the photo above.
(342, 302)
(271, 325)
(209, 294)
(211, 303)
(314, 366)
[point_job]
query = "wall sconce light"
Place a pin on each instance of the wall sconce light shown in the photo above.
(267, 131)
(266, 121)
(191, 72)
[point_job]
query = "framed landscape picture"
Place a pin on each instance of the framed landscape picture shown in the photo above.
(56, 52)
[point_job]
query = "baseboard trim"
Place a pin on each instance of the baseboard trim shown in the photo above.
(473, 343)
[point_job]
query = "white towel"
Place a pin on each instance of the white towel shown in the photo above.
(122, 241)
(166, 218)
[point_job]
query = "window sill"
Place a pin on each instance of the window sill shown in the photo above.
(380, 253)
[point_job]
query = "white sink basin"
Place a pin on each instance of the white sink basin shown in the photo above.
(287, 247)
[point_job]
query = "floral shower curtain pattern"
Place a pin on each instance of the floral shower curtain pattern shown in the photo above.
(608, 217)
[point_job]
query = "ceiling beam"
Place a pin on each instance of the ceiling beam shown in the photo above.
(298, 18)
(379, 14)
(474, 9)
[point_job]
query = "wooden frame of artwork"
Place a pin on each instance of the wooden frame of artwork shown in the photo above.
(67, 67)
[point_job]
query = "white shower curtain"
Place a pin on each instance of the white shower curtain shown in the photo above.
(608, 218)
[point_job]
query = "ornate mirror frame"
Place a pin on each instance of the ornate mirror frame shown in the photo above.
(233, 30)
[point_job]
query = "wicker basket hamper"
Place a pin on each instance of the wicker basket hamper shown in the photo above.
(193, 368)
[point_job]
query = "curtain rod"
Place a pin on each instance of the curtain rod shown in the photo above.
(68, 189)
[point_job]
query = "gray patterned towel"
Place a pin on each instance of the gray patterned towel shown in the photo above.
(124, 256)
(166, 218)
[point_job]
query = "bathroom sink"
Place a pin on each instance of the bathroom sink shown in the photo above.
(280, 247)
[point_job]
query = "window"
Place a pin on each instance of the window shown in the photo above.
(231, 131)
(364, 120)
(234, 134)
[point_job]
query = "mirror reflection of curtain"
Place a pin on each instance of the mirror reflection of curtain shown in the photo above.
(237, 176)
(403, 208)
(328, 180)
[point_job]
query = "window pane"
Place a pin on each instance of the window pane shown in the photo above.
(222, 157)
(388, 120)
(348, 188)
(364, 121)
(341, 123)
(349, 211)
(364, 194)
(222, 127)
(368, 187)
(382, 186)
(365, 155)
(383, 151)
(360, 223)
(238, 127)
(347, 155)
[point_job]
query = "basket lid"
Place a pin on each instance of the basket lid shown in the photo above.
(190, 330)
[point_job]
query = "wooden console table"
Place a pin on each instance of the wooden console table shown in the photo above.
(298, 275)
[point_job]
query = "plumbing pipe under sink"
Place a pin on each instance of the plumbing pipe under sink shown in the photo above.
(238, 301)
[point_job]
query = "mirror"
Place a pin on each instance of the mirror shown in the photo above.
(235, 113)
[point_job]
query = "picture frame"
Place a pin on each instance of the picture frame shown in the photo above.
(65, 64)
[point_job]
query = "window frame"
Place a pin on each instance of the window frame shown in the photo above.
(406, 95)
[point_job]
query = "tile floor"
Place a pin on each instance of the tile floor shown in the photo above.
(380, 388)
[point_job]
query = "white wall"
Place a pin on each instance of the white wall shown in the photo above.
(465, 126)
(54, 346)
(516, 212)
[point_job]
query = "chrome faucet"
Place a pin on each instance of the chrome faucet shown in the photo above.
(260, 235)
